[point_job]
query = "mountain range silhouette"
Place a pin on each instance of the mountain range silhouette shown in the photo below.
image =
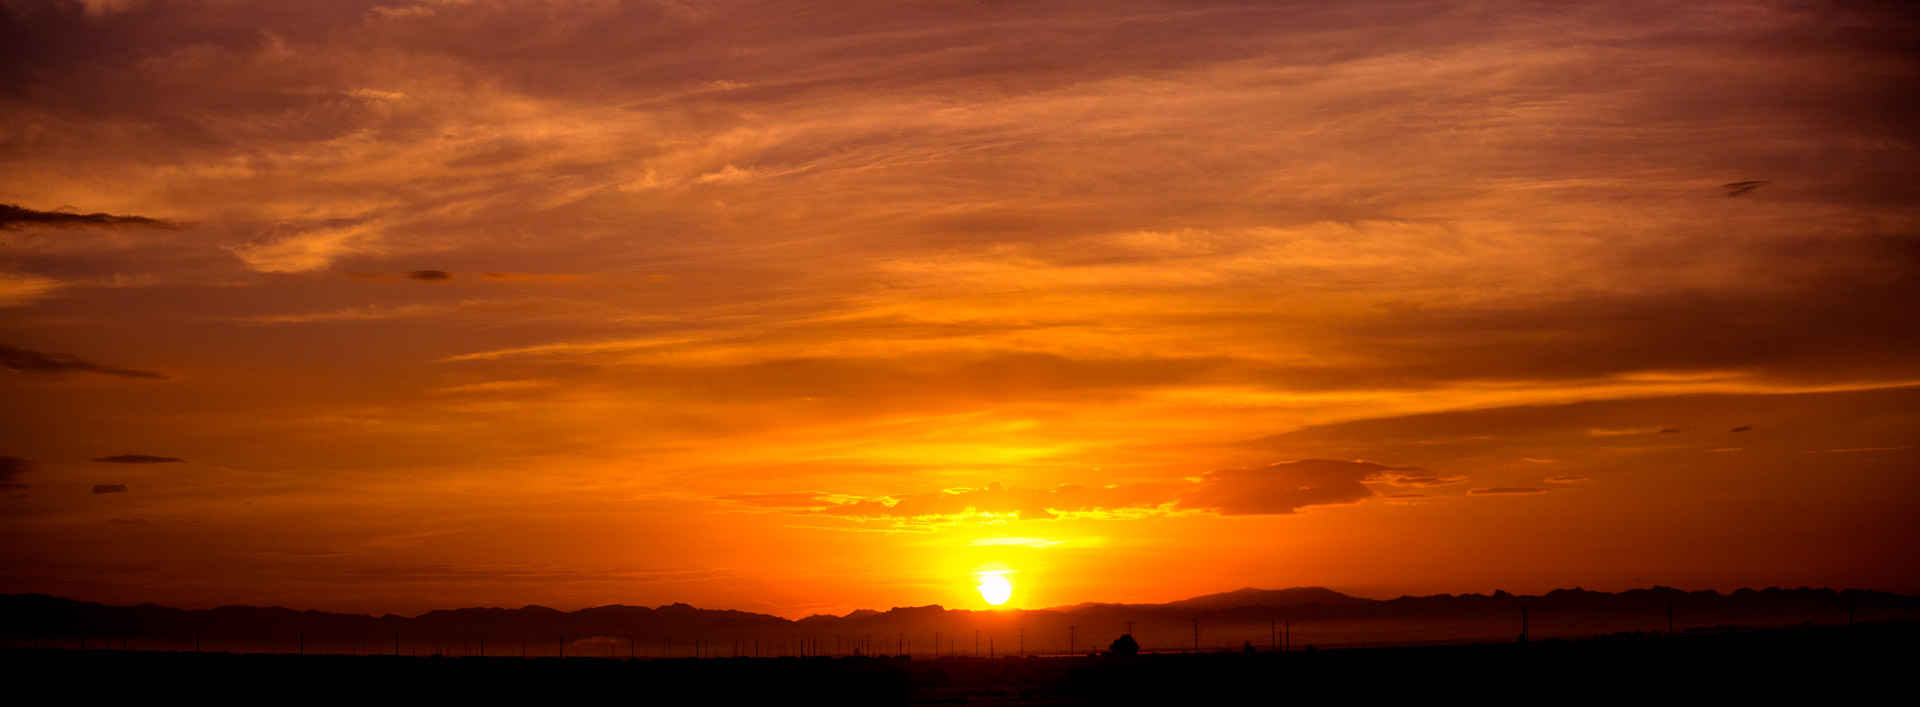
(674, 629)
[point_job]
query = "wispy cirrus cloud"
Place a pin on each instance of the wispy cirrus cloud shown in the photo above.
(866, 247)
(19, 289)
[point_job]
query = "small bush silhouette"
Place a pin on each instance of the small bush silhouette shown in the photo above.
(1125, 645)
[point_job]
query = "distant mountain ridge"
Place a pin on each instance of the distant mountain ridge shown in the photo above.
(678, 626)
(1239, 598)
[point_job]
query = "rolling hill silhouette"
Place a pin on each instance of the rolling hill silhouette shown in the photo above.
(1248, 614)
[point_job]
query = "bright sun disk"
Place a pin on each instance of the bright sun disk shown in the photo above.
(995, 588)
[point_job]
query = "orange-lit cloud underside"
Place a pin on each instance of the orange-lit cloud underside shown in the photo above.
(807, 307)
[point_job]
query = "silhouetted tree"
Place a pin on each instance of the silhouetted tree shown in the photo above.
(1125, 645)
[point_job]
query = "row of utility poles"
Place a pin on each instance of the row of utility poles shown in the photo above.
(1279, 640)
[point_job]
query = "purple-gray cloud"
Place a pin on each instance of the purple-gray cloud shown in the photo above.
(11, 468)
(14, 217)
(1284, 487)
(57, 364)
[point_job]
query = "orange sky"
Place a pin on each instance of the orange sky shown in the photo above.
(806, 307)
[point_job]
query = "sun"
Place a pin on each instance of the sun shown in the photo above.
(995, 588)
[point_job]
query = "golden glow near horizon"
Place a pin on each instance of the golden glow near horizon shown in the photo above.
(810, 307)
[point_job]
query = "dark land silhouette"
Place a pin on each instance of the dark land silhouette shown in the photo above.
(1827, 663)
(1266, 619)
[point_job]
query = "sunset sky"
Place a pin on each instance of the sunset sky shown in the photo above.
(803, 307)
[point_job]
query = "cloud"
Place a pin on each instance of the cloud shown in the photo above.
(1742, 428)
(314, 247)
(1567, 479)
(10, 470)
(1017, 541)
(430, 275)
(1669, 431)
(18, 289)
(1274, 489)
(1854, 449)
(136, 459)
(127, 521)
(1508, 491)
(777, 500)
(1399, 478)
(535, 276)
(109, 488)
(14, 217)
(1739, 188)
(60, 364)
(1285, 487)
(995, 501)
(361, 314)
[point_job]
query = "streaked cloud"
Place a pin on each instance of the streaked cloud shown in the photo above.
(14, 217)
(11, 468)
(1508, 491)
(137, 459)
(544, 277)
(19, 289)
(60, 364)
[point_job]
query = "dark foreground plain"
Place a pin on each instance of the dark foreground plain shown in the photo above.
(1867, 661)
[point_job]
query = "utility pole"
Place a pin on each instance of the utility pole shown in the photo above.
(936, 644)
(1273, 635)
(1287, 624)
(1070, 650)
(976, 643)
(1523, 623)
(1023, 641)
(1669, 617)
(1196, 634)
